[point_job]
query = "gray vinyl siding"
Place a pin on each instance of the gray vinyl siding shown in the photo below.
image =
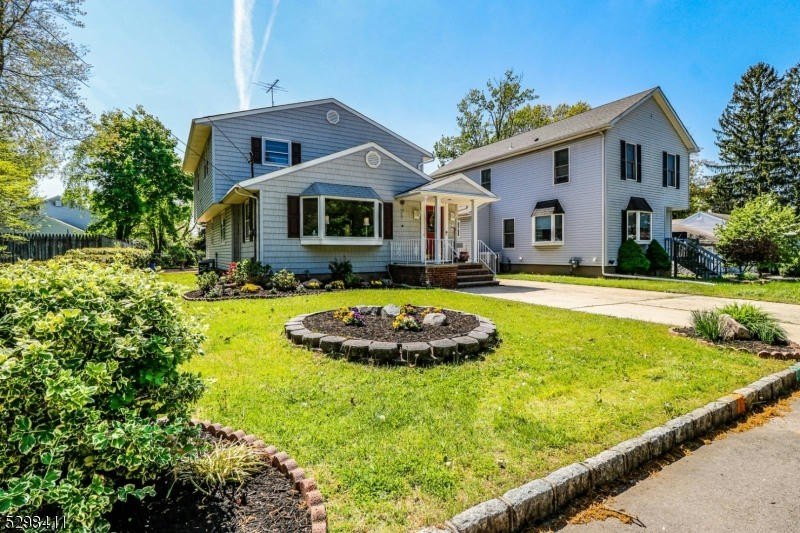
(649, 126)
(388, 180)
(203, 183)
(217, 247)
(305, 125)
(522, 181)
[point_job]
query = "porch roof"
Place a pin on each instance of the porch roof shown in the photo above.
(457, 188)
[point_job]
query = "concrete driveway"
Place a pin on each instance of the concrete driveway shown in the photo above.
(743, 482)
(650, 306)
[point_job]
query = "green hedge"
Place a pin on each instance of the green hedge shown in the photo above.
(92, 404)
(132, 257)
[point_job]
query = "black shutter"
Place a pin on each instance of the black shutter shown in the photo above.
(293, 217)
(677, 172)
(639, 163)
(624, 225)
(296, 154)
(388, 220)
(663, 169)
(621, 159)
(256, 149)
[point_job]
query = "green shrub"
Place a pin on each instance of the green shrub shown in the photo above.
(223, 464)
(706, 324)
(658, 257)
(177, 255)
(761, 324)
(340, 269)
(235, 274)
(335, 285)
(313, 284)
(206, 281)
(631, 259)
(132, 257)
(92, 404)
(791, 268)
(352, 280)
(284, 280)
(254, 272)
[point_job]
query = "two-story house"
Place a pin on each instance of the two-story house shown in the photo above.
(571, 191)
(296, 186)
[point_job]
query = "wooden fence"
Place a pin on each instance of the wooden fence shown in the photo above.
(42, 247)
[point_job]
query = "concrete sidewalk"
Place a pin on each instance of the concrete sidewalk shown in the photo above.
(650, 306)
(743, 482)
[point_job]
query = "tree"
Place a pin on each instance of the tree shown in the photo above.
(40, 70)
(18, 170)
(700, 188)
(761, 233)
(132, 176)
(790, 94)
(499, 111)
(631, 258)
(752, 141)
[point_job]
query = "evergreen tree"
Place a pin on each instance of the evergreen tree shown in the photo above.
(791, 100)
(752, 141)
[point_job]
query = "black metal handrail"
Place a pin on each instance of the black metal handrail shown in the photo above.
(690, 255)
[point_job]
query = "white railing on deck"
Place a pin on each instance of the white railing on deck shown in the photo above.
(487, 257)
(408, 251)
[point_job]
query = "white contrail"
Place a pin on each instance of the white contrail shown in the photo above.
(265, 41)
(242, 49)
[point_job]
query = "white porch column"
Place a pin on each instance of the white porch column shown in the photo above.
(437, 231)
(422, 222)
(474, 231)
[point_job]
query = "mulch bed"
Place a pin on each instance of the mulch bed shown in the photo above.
(197, 295)
(377, 328)
(762, 349)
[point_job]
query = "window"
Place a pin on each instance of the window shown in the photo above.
(548, 229)
(561, 166)
(248, 220)
(508, 233)
(276, 152)
(671, 170)
(310, 217)
(639, 224)
(486, 179)
(630, 161)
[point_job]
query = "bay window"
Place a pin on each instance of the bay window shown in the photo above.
(548, 229)
(326, 220)
(639, 225)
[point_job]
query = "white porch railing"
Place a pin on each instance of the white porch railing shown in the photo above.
(410, 251)
(488, 257)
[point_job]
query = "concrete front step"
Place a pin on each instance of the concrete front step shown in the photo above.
(487, 283)
(475, 277)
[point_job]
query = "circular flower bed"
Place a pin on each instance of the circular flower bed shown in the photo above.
(407, 335)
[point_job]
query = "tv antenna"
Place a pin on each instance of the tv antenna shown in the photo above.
(270, 89)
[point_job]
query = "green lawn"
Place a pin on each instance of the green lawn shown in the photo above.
(770, 291)
(394, 449)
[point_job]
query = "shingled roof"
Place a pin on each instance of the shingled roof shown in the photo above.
(588, 122)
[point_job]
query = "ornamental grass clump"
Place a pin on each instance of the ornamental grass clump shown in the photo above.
(223, 465)
(759, 323)
(706, 324)
(93, 406)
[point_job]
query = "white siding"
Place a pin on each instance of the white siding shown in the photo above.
(203, 182)
(646, 125)
(388, 180)
(217, 247)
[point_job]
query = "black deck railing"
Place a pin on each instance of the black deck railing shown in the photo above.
(693, 257)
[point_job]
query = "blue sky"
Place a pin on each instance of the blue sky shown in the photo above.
(407, 63)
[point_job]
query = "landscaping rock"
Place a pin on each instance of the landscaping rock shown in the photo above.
(702, 418)
(411, 352)
(636, 452)
(331, 344)
(490, 330)
(356, 348)
(486, 517)
(297, 335)
(434, 319)
(294, 327)
(730, 329)
(569, 482)
(660, 440)
(390, 311)
(683, 427)
(444, 348)
(373, 310)
(384, 351)
(467, 345)
(481, 337)
(311, 339)
(605, 467)
(530, 502)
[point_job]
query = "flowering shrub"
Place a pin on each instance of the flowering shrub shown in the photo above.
(94, 406)
(376, 283)
(408, 309)
(284, 280)
(406, 322)
(313, 284)
(336, 285)
(237, 273)
(349, 316)
(250, 288)
(206, 281)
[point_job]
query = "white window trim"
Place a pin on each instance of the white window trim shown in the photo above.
(503, 234)
(639, 226)
(324, 240)
(675, 175)
(569, 164)
(288, 152)
(635, 162)
(552, 230)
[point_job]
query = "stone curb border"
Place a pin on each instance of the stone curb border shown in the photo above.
(783, 355)
(540, 498)
(285, 464)
(408, 353)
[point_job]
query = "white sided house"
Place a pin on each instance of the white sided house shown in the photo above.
(571, 191)
(297, 186)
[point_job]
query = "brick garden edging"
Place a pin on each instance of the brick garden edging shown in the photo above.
(434, 351)
(538, 499)
(784, 355)
(285, 464)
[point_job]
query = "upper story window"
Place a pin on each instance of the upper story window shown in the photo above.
(671, 170)
(561, 166)
(276, 152)
(508, 233)
(630, 161)
(486, 179)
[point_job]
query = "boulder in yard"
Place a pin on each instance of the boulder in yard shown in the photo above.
(390, 310)
(730, 329)
(434, 319)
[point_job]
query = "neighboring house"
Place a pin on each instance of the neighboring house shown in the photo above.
(299, 185)
(57, 218)
(701, 226)
(571, 191)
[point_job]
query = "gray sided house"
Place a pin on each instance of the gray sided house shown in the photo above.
(58, 218)
(573, 190)
(297, 186)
